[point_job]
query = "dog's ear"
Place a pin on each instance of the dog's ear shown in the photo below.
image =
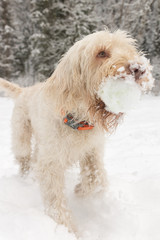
(66, 81)
(68, 72)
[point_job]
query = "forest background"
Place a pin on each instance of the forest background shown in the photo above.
(34, 34)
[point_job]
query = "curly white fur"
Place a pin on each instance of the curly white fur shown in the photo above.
(39, 111)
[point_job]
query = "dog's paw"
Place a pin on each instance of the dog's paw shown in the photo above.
(86, 191)
(79, 191)
(83, 191)
(24, 168)
(63, 216)
(73, 229)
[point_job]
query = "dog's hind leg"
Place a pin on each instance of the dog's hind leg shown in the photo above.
(21, 138)
(93, 175)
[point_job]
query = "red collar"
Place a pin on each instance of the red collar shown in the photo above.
(71, 122)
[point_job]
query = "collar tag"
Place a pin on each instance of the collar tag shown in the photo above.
(83, 125)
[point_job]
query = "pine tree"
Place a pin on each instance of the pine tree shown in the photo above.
(56, 26)
(34, 34)
(23, 28)
(7, 41)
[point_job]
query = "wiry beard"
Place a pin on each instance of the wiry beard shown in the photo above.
(107, 120)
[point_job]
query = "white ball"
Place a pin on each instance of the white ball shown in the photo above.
(118, 94)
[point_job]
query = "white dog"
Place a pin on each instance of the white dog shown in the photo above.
(68, 119)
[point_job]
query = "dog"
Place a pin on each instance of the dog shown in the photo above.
(68, 120)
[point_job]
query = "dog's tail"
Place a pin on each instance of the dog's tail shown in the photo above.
(12, 90)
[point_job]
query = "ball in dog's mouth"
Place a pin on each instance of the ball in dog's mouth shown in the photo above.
(119, 95)
(122, 92)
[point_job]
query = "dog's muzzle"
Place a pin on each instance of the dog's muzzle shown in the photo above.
(137, 70)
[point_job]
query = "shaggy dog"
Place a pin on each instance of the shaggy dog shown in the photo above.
(68, 120)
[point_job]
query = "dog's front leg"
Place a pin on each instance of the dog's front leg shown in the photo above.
(51, 177)
(93, 175)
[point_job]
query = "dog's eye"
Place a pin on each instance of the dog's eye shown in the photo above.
(102, 54)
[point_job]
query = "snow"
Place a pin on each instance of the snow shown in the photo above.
(121, 69)
(120, 93)
(130, 210)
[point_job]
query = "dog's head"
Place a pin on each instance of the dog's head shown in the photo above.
(88, 62)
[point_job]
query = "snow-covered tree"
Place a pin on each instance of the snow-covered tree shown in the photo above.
(34, 34)
(56, 26)
(23, 26)
(7, 40)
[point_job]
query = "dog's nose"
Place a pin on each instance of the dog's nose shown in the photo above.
(136, 70)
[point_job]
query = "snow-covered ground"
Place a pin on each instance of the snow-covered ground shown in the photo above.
(130, 210)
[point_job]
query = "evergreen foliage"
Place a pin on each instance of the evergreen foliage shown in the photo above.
(7, 41)
(34, 34)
